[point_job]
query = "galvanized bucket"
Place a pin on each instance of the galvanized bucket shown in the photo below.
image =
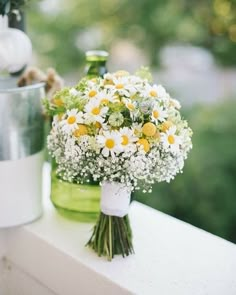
(21, 152)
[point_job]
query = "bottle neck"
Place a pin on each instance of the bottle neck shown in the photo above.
(95, 68)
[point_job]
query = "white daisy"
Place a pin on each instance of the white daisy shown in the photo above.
(122, 86)
(135, 80)
(161, 92)
(71, 120)
(92, 90)
(128, 139)
(108, 76)
(154, 91)
(94, 112)
(158, 114)
(110, 142)
(149, 91)
(131, 106)
(170, 140)
(57, 120)
(175, 103)
(137, 127)
(105, 97)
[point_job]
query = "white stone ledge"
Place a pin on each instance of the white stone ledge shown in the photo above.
(171, 257)
(2, 255)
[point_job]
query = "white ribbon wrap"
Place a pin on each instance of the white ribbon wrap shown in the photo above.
(115, 199)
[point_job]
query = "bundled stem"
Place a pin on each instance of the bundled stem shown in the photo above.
(111, 235)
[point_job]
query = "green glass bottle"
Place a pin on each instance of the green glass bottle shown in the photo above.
(96, 63)
(75, 201)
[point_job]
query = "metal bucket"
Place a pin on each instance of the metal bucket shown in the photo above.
(21, 152)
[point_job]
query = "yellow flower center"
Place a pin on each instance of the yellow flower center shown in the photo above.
(166, 125)
(149, 129)
(153, 93)
(108, 82)
(98, 125)
(58, 102)
(92, 93)
(81, 130)
(130, 106)
(125, 140)
(119, 86)
(110, 143)
(171, 139)
(71, 120)
(155, 114)
(144, 143)
(157, 135)
(96, 111)
(104, 101)
(121, 73)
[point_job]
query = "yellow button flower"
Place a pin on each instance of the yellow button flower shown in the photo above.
(149, 129)
(81, 130)
(166, 125)
(144, 143)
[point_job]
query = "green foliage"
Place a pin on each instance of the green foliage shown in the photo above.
(205, 194)
(144, 73)
(150, 24)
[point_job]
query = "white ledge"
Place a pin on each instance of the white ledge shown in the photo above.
(171, 257)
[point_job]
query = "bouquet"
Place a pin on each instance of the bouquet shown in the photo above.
(123, 132)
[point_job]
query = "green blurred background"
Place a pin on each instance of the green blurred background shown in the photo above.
(190, 46)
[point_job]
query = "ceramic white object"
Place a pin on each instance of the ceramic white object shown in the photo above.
(15, 48)
(21, 190)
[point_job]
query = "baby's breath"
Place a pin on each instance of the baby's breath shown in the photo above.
(114, 146)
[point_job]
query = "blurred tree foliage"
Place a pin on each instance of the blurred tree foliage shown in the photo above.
(58, 30)
(205, 194)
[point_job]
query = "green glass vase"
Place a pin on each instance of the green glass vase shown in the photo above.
(75, 201)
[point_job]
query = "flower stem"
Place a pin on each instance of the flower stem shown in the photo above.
(111, 235)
